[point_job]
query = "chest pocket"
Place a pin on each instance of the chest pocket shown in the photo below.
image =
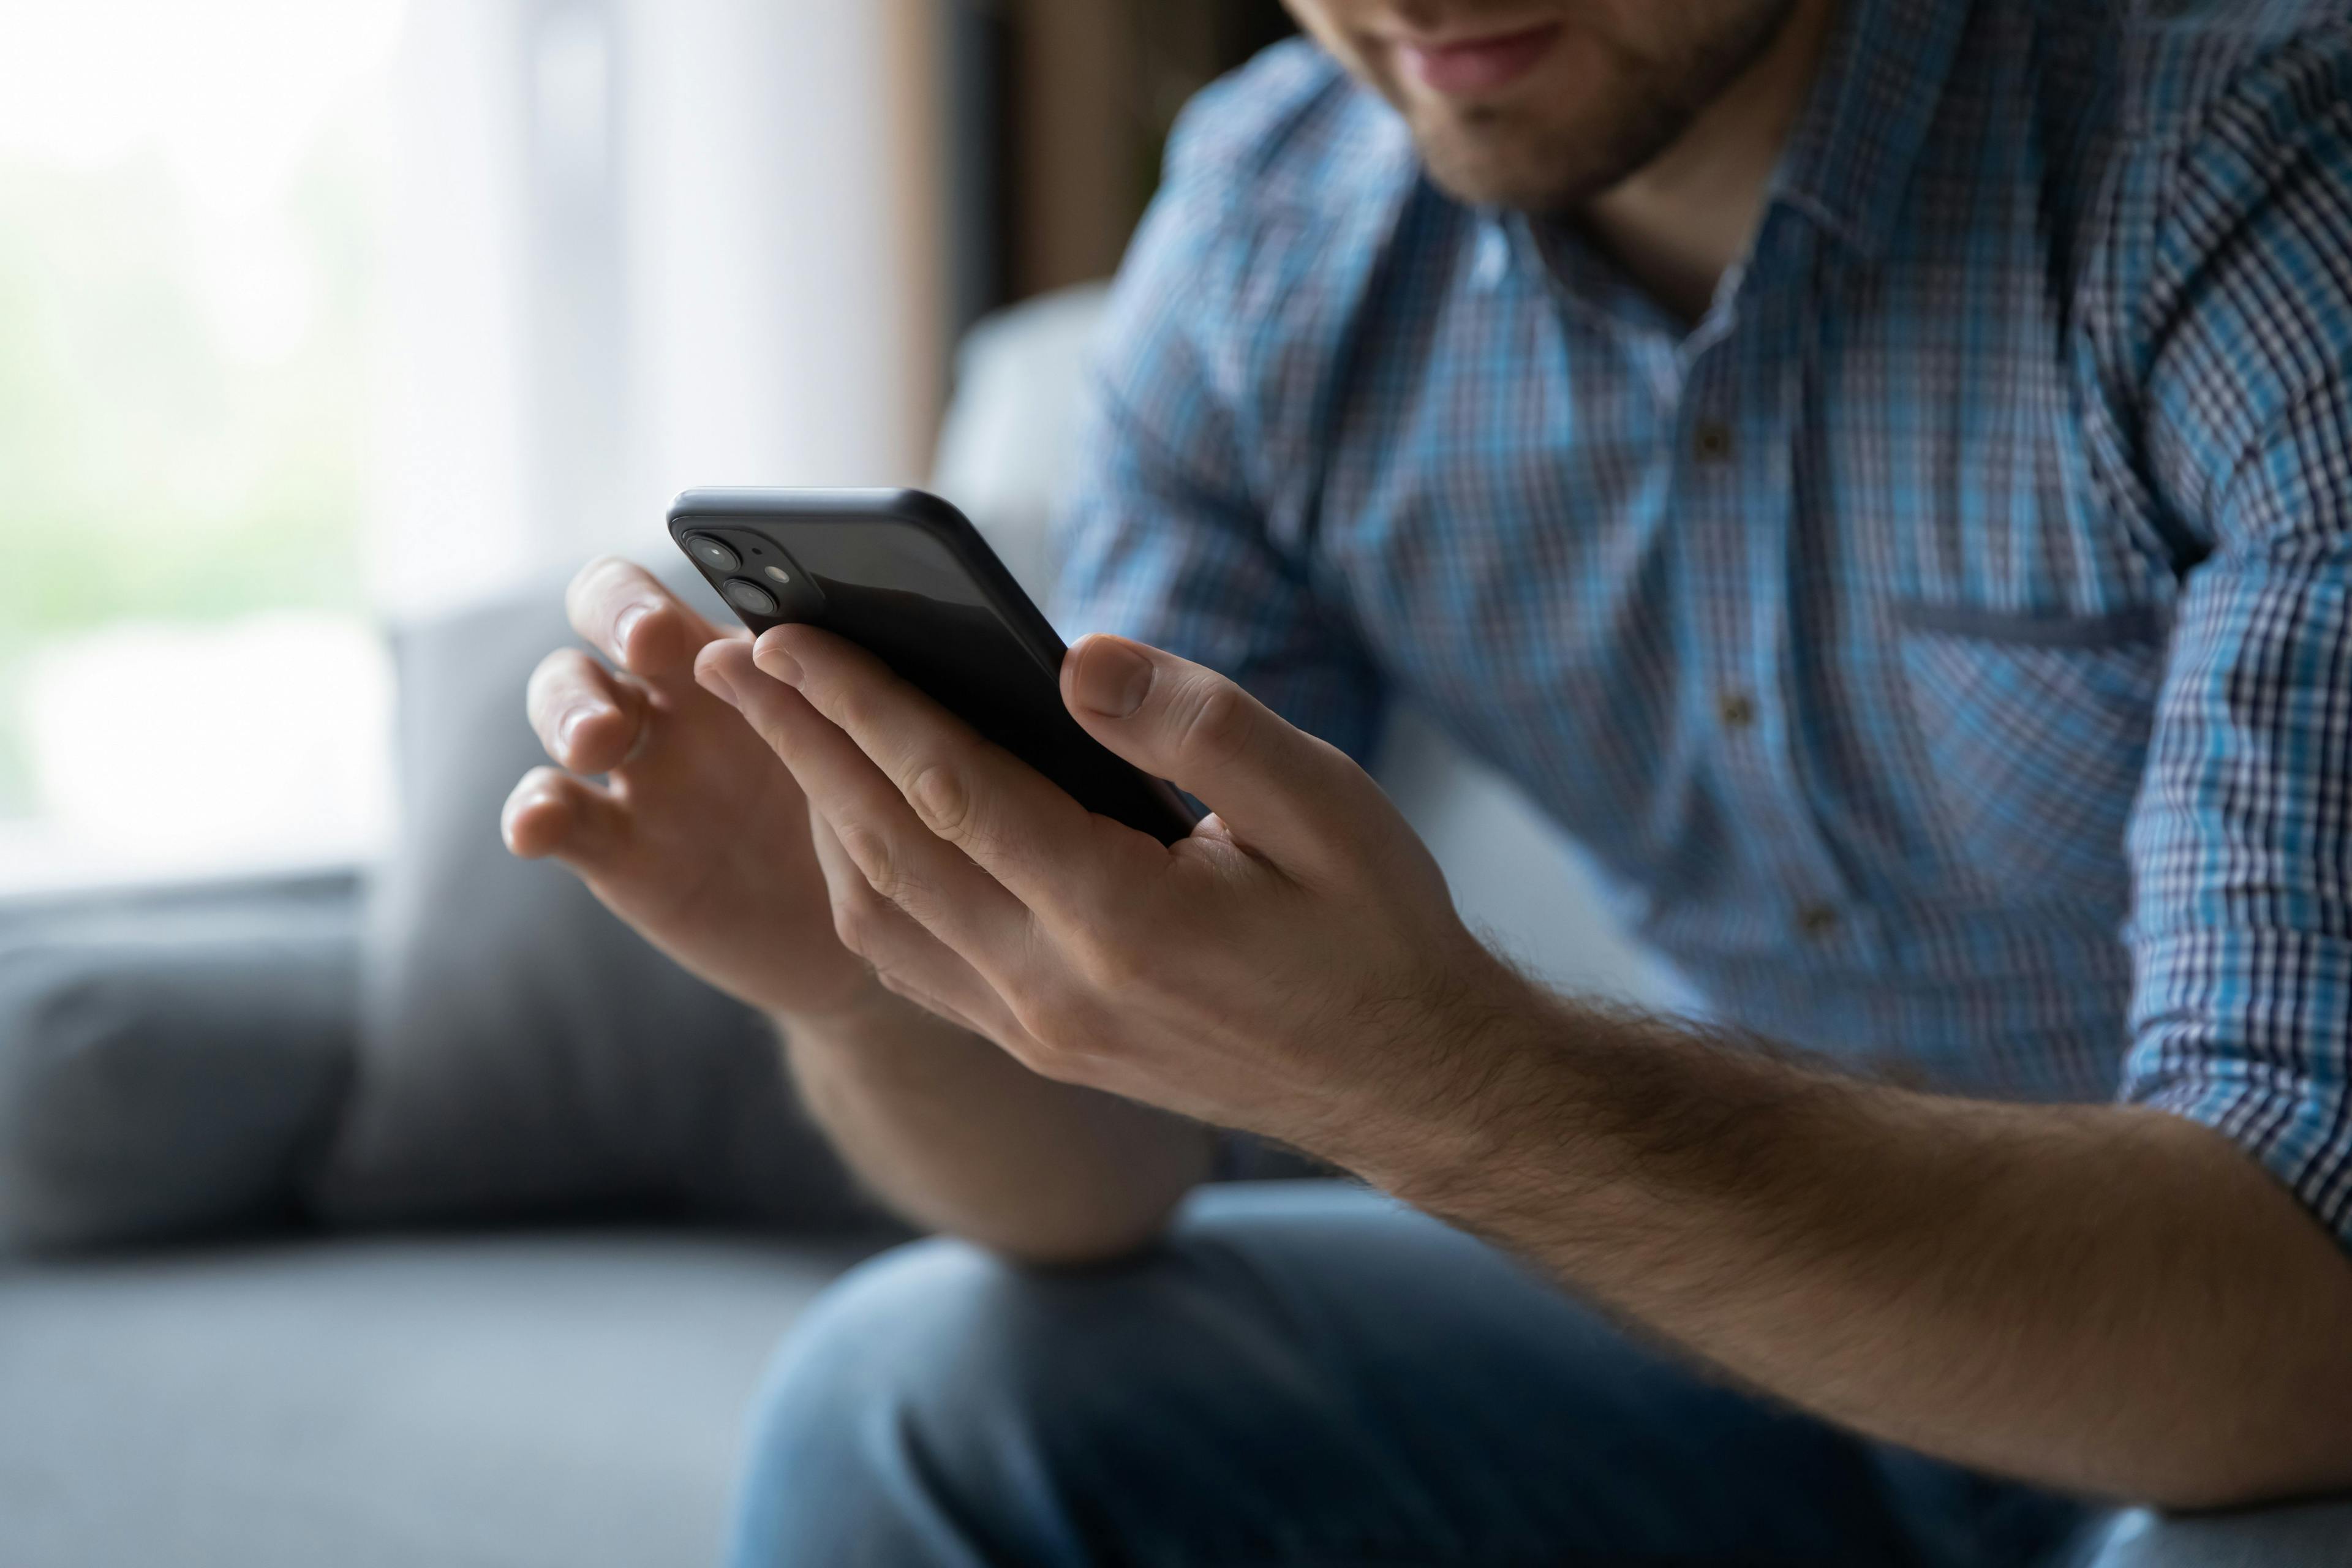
(2036, 732)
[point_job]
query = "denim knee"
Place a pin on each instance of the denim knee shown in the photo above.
(911, 1416)
(2310, 1535)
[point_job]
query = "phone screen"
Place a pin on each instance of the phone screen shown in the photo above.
(901, 592)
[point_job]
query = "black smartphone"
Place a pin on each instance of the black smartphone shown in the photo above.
(907, 577)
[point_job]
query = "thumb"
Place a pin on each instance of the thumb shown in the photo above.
(1279, 790)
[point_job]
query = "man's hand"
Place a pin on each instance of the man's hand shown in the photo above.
(1294, 968)
(698, 838)
(2106, 1299)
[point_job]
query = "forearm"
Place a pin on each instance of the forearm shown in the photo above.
(956, 1136)
(2101, 1299)
(2097, 1298)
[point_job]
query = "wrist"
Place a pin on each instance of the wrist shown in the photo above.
(867, 1013)
(1479, 1066)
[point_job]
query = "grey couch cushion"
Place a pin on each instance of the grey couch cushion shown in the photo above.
(522, 1052)
(508, 1402)
(167, 1060)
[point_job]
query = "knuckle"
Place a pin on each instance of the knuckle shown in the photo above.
(870, 852)
(859, 920)
(773, 728)
(769, 718)
(1110, 960)
(1030, 998)
(848, 705)
(1066, 1035)
(1053, 1009)
(940, 799)
(1215, 720)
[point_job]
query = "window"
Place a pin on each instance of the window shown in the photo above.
(189, 206)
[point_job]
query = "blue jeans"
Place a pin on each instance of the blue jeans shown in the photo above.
(1308, 1375)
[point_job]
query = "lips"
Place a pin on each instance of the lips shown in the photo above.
(1474, 66)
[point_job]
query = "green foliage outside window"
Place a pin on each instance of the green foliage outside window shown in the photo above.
(149, 468)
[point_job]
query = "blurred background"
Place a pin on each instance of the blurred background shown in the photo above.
(369, 1196)
(317, 316)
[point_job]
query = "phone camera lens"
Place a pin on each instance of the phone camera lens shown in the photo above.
(712, 553)
(749, 596)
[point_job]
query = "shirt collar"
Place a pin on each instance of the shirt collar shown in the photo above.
(1858, 138)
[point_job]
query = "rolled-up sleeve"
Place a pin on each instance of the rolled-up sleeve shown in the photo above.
(2242, 839)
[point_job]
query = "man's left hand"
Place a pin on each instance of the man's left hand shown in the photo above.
(1294, 968)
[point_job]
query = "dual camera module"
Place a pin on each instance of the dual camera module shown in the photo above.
(752, 597)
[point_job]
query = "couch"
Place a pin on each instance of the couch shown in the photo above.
(242, 1375)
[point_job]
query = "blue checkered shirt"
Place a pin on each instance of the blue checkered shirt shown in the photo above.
(1944, 650)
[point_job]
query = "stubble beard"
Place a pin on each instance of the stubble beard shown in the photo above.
(1517, 157)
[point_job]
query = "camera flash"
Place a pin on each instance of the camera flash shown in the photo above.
(780, 574)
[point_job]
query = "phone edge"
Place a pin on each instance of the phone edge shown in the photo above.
(944, 521)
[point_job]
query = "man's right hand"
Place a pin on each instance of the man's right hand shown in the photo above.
(697, 836)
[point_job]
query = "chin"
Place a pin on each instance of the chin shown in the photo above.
(1494, 183)
(1585, 119)
(1514, 167)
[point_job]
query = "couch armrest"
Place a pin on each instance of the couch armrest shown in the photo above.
(169, 1056)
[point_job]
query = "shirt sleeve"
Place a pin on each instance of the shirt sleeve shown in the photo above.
(1164, 537)
(2242, 839)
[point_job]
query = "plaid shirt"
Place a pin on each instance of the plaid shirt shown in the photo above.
(1944, 651)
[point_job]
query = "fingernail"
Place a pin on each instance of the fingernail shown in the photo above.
(628, 623)
(714, 681)
(1112, 679)
(776, 662)
(568, 728)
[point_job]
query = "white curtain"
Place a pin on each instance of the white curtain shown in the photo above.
(636, 246)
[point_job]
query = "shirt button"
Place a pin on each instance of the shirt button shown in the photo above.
(1817, 921)
(1712, 441)
(1737, 709)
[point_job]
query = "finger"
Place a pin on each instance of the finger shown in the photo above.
(906, 959)
(903, 861)
(588, 718)
(1277, 788)
(553, 816)
(622, 610)
(1012, 820)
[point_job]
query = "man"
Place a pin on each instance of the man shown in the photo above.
(1879, 473)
